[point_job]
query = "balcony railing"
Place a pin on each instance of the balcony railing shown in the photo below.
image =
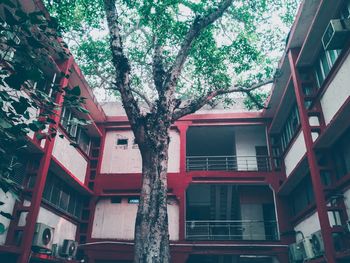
(228, 163)
(254, 230)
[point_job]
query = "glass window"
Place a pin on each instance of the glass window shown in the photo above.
(302, 196)
(64, 200)
(65, 116)
(341, 155)
(325, 66)
(84, 141)
(290, 127)
(63, 196)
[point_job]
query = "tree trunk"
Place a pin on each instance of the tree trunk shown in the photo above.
(151, 228)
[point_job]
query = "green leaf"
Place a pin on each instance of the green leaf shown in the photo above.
(7, 215)
(82, 109)
(19, 107)
(74, 91)
(4, 124)
(36, 126)
(14, 81)
(2, 228)
(10, 19)
(40, 136)
(8, 3)
(75, 145)
(34, 43)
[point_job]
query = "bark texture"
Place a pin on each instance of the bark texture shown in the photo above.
(151, 229)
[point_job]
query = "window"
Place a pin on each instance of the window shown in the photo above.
(324, 63)
(116, 199)
(62, 196)
(68, 121)
(341, 155)
(327, 58)
(133, 200)
(302, 196)
(122, 142)
(290, 127)
(84, 141)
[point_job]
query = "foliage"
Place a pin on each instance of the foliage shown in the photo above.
(28, 86)
(242, 47)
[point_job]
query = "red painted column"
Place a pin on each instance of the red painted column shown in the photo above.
(282, 207)
(182, 185)
(182, 127)
(314, 168)
(28, 232)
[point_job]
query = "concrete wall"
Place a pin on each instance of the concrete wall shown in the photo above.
(308, 226)
(337, 92)
(64, 229)
(117, 220)
(70, 157)
(295, 153)
(256, 230)
(347, 201)
(247, 138)
(9, 201)
(127, 159)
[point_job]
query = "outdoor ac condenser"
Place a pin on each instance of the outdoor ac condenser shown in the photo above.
(317, 243)
(69, 248)
(43, 236)
(308, 252)
(296, 252)
(336, 34)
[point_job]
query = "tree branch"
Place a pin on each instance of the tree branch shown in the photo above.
(121, 64)
(157, 66)
(198, 103)
(198, 25)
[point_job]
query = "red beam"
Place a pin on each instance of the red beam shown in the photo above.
(313, 166)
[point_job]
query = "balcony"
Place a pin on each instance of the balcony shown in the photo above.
(253, 230)
(228, 163)
(227, 148)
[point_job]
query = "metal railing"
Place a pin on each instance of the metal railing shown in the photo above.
(232, 230)
(228, 163)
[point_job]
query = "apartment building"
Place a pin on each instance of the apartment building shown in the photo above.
(244, 186)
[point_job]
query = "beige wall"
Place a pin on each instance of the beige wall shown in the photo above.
(9, 201)
(127, 159)
(308, 226)
(117, 220)
(70, 157)
(337, 92)
(64, 229)
(246, 139)
(295, 153)
(347, 201)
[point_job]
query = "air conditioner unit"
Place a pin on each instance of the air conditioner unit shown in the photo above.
(317, 243)
(295, 253)
(307, 248)
(43, 236)
(336, 34)
(69, 248)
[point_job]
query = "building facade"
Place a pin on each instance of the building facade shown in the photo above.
(259, 187)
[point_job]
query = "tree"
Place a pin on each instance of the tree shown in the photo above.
(27, 97)
(176, 56)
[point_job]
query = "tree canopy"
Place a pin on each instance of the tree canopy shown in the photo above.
(241, 48)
